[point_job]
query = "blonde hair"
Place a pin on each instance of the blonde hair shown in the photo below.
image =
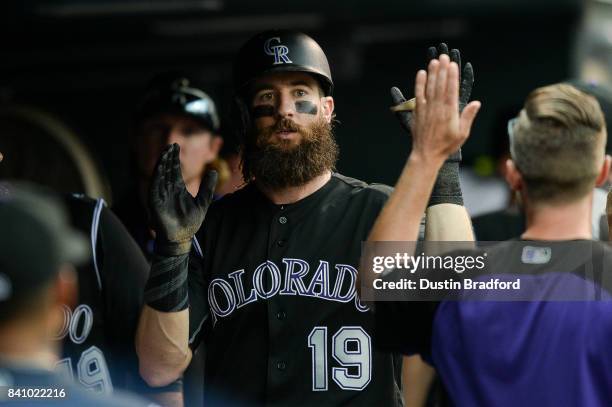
(558, 143)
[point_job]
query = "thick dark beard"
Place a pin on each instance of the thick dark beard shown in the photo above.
(277, 166)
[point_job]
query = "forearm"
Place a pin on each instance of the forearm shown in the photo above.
(448, 222)
(162, 345)
(417, 377)
(401, 217)
(162, 338)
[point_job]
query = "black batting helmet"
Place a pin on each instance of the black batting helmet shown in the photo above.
(172, 93)
(281, 51)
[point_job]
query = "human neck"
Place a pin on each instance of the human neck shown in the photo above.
(26, 344)
(290, 195)
(560, 222)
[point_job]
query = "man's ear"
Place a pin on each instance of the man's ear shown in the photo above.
(513, 176)
(604, 171)
(216, 143)
(327, 107)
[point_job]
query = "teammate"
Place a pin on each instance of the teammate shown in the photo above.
(171, 111)
(34, 292)
(509, 222)
(274, 297)
(528, 353)
(97, 333)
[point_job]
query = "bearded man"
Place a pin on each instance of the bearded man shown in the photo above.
(274, 296)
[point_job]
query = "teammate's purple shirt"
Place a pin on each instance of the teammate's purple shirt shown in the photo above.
(540, 353)
(518, 353)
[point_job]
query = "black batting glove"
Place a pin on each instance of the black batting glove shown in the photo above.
(466, 77)
(447, 188)
(176, 216)
(466, 81)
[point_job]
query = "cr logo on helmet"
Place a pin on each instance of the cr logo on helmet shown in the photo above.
(278, 51)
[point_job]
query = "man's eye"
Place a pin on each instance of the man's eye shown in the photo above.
(300, 93)
(265, 97)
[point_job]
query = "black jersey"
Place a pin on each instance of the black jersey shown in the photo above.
(98, 334)
(274, 300)
(133, 216)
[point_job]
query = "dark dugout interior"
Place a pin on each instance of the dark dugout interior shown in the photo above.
(86, 62)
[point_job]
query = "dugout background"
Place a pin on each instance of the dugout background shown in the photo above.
(86, 62)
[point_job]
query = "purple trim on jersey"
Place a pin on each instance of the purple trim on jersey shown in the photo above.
(94, 237)
(527, 353)
(197, 247)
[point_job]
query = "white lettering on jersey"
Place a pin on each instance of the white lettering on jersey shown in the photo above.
(227, 295)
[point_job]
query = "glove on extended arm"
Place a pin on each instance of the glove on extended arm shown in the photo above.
(447, 188)
(176, 216)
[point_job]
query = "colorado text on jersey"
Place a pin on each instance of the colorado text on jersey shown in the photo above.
(267, 281)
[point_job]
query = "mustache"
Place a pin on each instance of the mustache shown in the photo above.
(284, 124)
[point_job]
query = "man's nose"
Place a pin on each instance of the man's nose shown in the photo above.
(286, 106)
(174, 136)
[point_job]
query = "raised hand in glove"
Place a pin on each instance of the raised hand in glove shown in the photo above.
(447, 188)
(176, 216)
(466, 81)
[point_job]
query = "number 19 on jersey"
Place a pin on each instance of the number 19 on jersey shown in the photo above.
(351, 348)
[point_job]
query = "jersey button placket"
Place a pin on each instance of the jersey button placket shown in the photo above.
(279, 352)
(283, 221)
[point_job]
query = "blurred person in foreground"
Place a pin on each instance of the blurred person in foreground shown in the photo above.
(35, 289)
(97, 332)
(171, 111)
(509, 348)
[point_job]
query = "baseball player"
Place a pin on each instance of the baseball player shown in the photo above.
(539, 350)
(97, 333)
(274, 297)
(172, 110)
(34, 293)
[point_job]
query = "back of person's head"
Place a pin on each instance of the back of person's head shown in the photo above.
(36, 244)
(558, 143)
